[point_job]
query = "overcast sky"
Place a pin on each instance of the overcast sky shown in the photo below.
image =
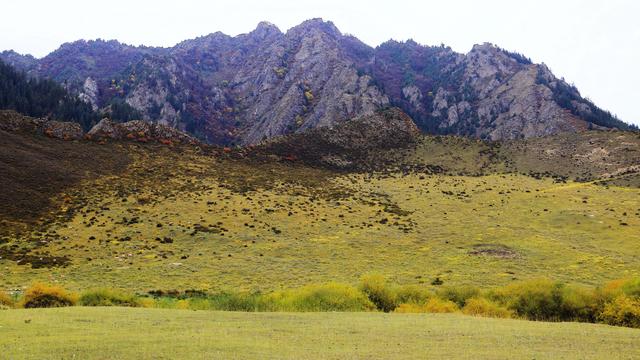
(594, 44)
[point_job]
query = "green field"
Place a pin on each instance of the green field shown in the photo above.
(127, 333)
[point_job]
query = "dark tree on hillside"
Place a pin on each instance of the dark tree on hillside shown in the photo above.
(42, 98)
(121, 111)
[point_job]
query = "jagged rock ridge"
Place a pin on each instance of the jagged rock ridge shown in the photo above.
(255, 86)
(106, 129)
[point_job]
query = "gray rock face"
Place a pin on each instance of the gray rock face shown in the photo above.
(510, 102)
(308, 84)
(89, 93)
(255, 86)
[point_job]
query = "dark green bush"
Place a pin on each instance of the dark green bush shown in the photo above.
(459, 294)
(235, 301)
(548, 300)
(379, 293)
(108, 297)
(579, 304)
(413, 294)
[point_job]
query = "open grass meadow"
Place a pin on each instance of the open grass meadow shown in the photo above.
(134, 333)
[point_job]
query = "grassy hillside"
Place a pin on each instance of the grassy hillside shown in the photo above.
(464, 211)
(124, 333)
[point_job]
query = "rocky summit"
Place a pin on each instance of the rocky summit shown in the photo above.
(266, 83)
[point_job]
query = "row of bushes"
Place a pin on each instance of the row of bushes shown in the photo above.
(617, 303)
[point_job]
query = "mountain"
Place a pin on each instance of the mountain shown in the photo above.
(255, 86)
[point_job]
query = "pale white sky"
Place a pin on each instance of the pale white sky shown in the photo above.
(593, 43)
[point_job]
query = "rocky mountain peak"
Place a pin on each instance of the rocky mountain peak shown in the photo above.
(317, 25)
(21, 62)
(263, 34)
(265, 29)
(263, 84)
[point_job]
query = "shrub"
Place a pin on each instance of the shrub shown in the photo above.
(326, 297)
(146, 302)
(413, 294)
(579, 304)
(43, 296)
(535, 299)
(230, 301)
(622, 311)
(6, 301)
(376, 288)
(631, 287)
(549, 300)
(486, 308)
(182, 304)
(410, 308)
(108, 297)
(434, 305)
(165, 302)
(459, 294)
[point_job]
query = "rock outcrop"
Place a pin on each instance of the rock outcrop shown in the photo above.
(106, 129)
(14, 122)
(139, 130)
(353, 144)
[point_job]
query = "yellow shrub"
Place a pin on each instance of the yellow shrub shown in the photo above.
(5, 300)
(434, 305)
(486, 308)
(147, 302)
(324, 297)
(622, 311)
(182, 304)
(41, 296)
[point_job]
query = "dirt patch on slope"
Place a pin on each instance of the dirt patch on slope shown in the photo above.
(35, 168)
(494, 250)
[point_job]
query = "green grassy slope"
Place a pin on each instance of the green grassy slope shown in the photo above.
(126, 333)
(461, 210)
